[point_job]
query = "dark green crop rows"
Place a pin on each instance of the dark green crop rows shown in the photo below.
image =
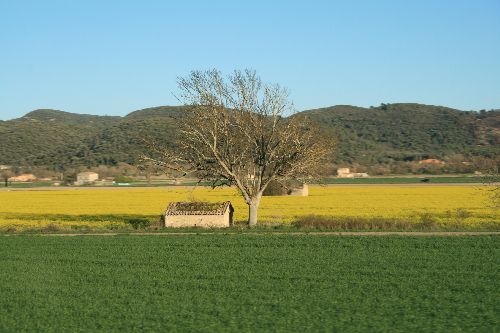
(243, 283)
(412, 180)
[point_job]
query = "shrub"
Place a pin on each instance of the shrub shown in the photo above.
(138, 223)
(274, 188)
(427, 221)
(463, 213)
(123, 179)
(52, 227)
(350, 223)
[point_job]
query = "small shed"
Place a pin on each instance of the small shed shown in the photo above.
(199, 214)
(302, 191)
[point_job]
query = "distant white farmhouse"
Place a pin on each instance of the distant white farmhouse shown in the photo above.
(87, 177)
(346, 173)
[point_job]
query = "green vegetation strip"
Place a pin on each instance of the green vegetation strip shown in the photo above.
(422, 179)
(412, 180)
(246, 283)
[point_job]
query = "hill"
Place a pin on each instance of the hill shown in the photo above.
(157, 112)
(68, 118)
(408, 132)
(367, 136)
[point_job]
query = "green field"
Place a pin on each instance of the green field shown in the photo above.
(412, 180)
(371, 180)
(249, 283)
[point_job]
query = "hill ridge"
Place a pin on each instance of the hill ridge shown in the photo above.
(367, 136)
(173, 108)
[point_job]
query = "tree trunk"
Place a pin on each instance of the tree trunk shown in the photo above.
(253, 208)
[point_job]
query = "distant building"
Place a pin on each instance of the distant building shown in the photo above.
(87, 177)
(104, 182)
(5, 167)
(199, 214)
(346, 173)
(27, 177)
(359, 175)
(302, 191)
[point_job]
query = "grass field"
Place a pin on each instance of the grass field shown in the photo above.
(441, 206)
(216, 283)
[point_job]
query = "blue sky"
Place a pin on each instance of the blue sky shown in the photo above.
(114, 57)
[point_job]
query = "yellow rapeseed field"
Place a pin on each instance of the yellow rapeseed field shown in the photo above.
(70, 207)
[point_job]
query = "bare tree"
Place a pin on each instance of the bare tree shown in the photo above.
(242, 132)
(5, 174)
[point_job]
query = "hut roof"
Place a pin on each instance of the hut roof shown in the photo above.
(198, 208)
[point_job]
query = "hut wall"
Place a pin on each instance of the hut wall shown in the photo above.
(301, 191)
(204, 221)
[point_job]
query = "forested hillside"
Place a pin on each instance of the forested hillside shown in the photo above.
(59, 140)
(408, 132)
(384, 135)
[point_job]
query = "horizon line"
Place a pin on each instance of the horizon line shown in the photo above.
(298, 111)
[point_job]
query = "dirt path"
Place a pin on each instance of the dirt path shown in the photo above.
(314, 233)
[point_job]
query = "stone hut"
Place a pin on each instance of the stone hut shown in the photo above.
(302, 191)
(199, 214)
